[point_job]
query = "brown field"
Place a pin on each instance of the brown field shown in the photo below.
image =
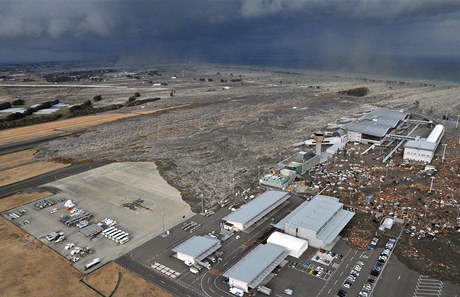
(29, 268)
(104, 280)
(70, 125)
(16, 159)
(21, 199)
(24, 172)
(56, 128)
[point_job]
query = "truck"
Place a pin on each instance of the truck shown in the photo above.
(264, 290)
(92, 263)
(236, 291)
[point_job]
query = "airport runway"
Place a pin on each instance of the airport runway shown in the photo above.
(46, 178)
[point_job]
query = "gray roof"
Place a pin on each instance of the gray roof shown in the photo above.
(378, 122)
(258, 264)
(254, 210)
(198, 247)
(395, 115)
(314, 214)
(333, 228)
(421, 145)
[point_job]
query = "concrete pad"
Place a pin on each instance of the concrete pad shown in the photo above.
(102, 191)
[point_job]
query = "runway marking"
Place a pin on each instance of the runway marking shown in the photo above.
(427, 286)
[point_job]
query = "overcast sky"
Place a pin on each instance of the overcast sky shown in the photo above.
(227, 30)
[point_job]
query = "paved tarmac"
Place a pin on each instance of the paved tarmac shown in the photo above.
(46, 178)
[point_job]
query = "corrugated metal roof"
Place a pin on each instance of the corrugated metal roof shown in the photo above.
(257, 208)
(368, 127)
(377, 122)
(198, 247)
(421, 145)
(333, 228)
(258, 264)
(435, 134)
(313, 214)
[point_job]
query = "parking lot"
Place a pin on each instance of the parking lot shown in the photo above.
(132, 194)
(301, 275)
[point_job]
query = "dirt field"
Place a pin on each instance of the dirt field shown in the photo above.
(70, 125)
(16, 159)
(105, 281)
(24, 258)
(56, 128)
(24, 172)
(21, 199)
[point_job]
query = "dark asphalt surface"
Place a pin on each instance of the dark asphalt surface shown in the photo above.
(25, 145)
(45, 178)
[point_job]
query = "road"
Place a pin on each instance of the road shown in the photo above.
(25, 145)
(45, 178)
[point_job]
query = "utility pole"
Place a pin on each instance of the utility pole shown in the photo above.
(431, 185)
(202, 203)
(444, 152)
(456, 125)
(163, 221)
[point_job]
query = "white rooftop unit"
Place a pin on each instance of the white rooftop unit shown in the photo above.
(436, 134)
(295, 246)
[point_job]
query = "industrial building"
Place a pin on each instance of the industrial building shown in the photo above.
(295, 246)
(253, 268)
(196, 248)
(422, 149)
(319, 221)
(254, 210)
(375, 125)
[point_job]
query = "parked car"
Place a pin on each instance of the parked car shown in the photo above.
(374, 240)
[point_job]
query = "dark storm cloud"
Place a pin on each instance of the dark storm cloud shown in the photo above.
(227, 30)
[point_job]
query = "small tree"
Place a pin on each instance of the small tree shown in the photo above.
(5, 105)
(97, 98)
(18, 102)
(137, 94)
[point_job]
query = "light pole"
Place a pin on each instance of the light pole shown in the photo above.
(431, 185)
(456, 124)
(444, 152)
(163, 221)
(202, 203)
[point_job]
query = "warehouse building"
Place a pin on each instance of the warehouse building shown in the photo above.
(422, 150)
(319, 221)
(196, 248)
(253, 211)
(295, 246)
(375, 125)
(250, 271)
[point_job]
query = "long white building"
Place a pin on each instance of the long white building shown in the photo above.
(422, 150)
(319, 221)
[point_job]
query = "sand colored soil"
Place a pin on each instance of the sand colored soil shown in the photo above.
(56, 128)
(16, 159)
(70, 125)
(30, 268)
(24, 172)
(21, 199)
(105, 280)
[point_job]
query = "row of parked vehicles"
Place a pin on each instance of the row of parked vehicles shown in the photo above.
(117, 235)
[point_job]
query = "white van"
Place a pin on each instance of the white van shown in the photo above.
(194, 270)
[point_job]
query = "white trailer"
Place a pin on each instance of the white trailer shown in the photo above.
(110, 233)
(124, 240)
(116, 234)
(117, 240)
(108, 230)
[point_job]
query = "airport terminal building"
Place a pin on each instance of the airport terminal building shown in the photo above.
(375, 125)
(318, 221)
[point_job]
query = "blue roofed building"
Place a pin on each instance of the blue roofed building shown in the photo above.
(196, 248)
(319, 221)
(253, 268)
(256, 209)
